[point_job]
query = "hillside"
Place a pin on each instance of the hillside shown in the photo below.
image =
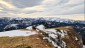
(61, 37)
(24, 42)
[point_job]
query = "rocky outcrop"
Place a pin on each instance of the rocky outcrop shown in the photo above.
(62, 37)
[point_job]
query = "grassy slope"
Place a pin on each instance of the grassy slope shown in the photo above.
(36, 41)
(31, 41)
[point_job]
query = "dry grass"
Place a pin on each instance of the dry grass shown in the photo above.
(24, 42)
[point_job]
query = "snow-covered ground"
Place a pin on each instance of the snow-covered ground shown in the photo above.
(14, 33)
(40, 27)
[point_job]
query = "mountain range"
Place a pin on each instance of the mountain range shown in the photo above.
(8, 23)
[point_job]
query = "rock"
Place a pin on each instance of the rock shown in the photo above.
(29, 28)
(63, 38)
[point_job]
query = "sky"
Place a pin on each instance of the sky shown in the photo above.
(71, 9)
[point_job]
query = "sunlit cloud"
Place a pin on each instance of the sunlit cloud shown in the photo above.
(6, 4)
(42, 8)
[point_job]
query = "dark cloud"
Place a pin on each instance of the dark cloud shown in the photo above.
(24, 3)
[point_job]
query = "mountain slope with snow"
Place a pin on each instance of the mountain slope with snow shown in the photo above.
(60, 37)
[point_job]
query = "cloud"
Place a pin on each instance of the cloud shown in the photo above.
(65, 8)
(11, 6)
(6, 4)
(24, 3)
(41, 7)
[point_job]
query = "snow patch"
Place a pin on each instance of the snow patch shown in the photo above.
(14, 33)
(40, 27)
(50, 31)
(62, 33)
(52, 37)
(29, 28)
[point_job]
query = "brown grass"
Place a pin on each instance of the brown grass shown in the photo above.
(24, 42)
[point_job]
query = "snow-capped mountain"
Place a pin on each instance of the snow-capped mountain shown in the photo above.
(48, 22)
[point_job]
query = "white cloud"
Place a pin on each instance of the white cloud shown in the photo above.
(6, 5)
(59, 7)
(44, 8)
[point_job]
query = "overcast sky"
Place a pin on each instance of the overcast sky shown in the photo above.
(72, 9)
